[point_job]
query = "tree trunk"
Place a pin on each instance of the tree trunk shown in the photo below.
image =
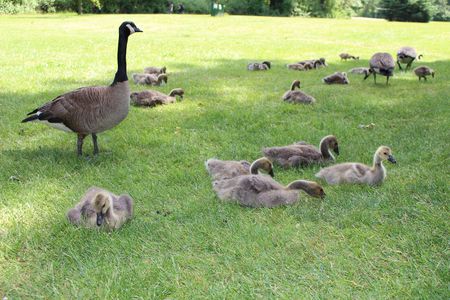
(79, 7)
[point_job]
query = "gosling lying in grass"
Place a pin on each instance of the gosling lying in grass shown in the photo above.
(263, 191)
(155, 70)
(99, 207)
(336, 78)
(151, 98)
(302, 154)
(264, 66)
(150, 79)
(359, 173)
(297, 96)
(226, 169)
(360, 70)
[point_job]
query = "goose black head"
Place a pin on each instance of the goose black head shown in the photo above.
(129, 28)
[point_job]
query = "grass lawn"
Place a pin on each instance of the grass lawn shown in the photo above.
(390, 241)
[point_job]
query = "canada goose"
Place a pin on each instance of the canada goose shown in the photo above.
(152, 98)
(226, 169)
(150, 79)
(423, 72)
(302, 154)
(360, 70)
(297, 96)
(383, 64)
(265, 65)
(155, 70)
(100, 207)
(336, 78)
(263, 191)
(359, 173)
(406, 55)
(345, 56)
(91, 110)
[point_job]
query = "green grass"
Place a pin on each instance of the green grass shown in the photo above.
(360, 242)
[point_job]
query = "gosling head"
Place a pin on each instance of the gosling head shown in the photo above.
(345, 78)
(177, 92)
(332, 143)
(101, 204)
(262, 163)
(133, 96)
(163, 70)
(295, 83)
(322, 61)
(385, 153)
(267, 63)
(312, 188)
(162, 77)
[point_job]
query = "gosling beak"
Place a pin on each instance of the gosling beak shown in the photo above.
(99, 219)
(336, 150)
(392, 159)
(323, 195)
(271, 173)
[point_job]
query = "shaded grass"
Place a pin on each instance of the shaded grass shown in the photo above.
(360, 242)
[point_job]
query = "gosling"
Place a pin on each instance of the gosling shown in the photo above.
(345, 56)
(423, 72)
(99, 207)
(150, 79)
(297, 96)
(155, 70)
(227, 169)
(264, 66)
(151, 98)
(336, 78)
(357, 172)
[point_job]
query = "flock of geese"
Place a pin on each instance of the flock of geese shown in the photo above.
(95, 109)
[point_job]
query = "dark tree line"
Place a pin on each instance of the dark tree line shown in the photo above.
(395, 10)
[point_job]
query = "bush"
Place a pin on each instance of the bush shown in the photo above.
(406, 10)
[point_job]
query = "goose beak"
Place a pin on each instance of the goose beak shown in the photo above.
(99, 219)
(392, 159)
(336, 150)
(137, 30)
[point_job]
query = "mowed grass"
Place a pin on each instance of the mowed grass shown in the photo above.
(183, 243)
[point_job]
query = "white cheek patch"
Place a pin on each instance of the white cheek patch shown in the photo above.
(131, 29)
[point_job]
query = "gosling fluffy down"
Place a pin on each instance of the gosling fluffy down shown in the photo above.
(152, 98)
(297, 96)
(357, 172)
(336, 78)
(101, 208)
(150, 79)
(264, 66)
(263, 191)
(423, 72)
(226, 169)
(155, 70)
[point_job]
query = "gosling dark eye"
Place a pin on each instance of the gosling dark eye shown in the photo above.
(385, 153)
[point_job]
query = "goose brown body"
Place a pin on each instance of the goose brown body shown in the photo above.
(383, 64)
(99, 207)
(406, 55)
(263, 191)
(303, 154)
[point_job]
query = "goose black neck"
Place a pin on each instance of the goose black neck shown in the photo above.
(121, 74)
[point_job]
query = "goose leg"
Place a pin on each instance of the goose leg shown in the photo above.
(398, 63)
(80, 143)
(425, 77)
(387, 80)
(94, 140)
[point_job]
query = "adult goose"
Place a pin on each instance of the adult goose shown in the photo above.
(91, 110)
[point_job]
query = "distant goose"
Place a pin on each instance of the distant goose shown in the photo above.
(152, 98)
(99, 207)
(297, 96)
(91, 110)
(423, 72)
(383, 64)
(345, 56)
(226, 169)
(406, 55)
(263, 191)
(155, 70)
(265, 65)
(336, 78)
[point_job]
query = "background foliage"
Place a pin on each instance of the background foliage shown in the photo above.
(398, 10)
